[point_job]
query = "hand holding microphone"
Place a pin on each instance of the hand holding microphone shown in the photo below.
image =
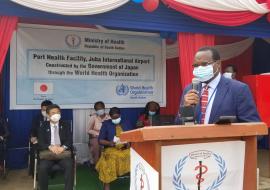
(192, 98)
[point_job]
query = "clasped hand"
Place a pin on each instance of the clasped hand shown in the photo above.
(56, 149)
(34, 140)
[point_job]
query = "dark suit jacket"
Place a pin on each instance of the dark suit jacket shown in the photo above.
(233, 98)
(36, 122)
(44, 135)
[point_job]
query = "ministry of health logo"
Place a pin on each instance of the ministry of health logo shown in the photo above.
(141, 178)
(201, 156)
(73, 41)
(122, 90)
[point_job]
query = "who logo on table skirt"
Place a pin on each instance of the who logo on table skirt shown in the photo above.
(203, 166)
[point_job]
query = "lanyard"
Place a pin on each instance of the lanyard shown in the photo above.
(200, 113)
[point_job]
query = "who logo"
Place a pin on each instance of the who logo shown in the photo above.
(207, 168)
(122, 90)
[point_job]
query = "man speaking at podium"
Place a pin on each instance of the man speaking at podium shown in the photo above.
(214, 95)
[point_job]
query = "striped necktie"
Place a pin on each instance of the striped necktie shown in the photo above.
(204, 102)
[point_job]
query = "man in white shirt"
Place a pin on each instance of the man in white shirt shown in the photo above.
(55, 145)
(217, 96)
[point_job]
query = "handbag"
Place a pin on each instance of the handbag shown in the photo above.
(49, 155)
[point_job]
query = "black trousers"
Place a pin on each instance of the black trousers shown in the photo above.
(44, 170)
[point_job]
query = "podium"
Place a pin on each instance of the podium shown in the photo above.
(148, 141)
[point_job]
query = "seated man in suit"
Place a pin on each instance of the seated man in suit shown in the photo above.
(37, 120)
(3, 135)
(217, 96)
(55, 145)
(40, 117)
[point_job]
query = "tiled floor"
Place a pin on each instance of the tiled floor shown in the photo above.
(264, 183)
(16, 180)
(263, 164)
(19, 179)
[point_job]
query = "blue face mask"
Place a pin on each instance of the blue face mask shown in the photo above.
(151, 113)
(100, 112)
(204, 73)
(116, 121)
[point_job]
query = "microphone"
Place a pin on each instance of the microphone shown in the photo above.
(196, 84)
(188, 112)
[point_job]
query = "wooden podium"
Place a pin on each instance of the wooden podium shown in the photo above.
(148, 141)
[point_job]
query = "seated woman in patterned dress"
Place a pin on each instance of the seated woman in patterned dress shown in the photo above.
(115, 159)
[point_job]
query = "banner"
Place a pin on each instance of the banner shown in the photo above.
(75, 67)
(204, 166)
(143, 176)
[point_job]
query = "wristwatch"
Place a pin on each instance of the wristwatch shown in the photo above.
(65, 147)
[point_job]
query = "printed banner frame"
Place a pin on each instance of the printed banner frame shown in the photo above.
(75, 67)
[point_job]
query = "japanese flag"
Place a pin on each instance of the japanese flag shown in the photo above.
(43, 88)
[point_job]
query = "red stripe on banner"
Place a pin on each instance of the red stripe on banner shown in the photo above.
(225, 18)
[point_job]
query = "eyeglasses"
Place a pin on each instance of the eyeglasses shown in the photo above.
(203, 64)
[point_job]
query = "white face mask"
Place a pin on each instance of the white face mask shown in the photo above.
(152, 113)
(100, 112)
(116, 121)
(227, 75)
(204, 73)
(55, 117)
(43, 113)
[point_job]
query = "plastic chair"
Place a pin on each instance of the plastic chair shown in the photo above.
(3, 144)
(56, 168)
(3, 173)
